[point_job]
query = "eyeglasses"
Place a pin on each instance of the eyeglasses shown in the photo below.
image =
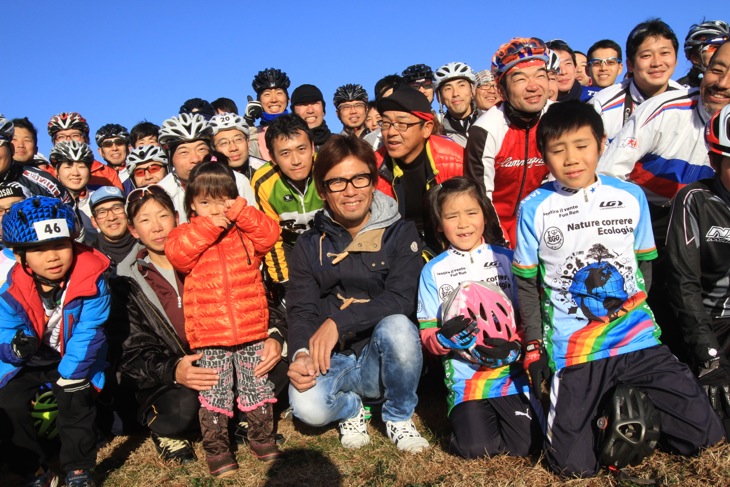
(140, 193)
(610, 62)
(78, 137)
(425, 84)
(103, 212)
(223, 144)
(110, 142)
(399, 126)
(351, 106)
(358, 181)
(152, 169)
(487, 87)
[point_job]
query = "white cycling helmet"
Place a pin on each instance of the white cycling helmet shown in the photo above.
(455, 70)
(184, 128)
(71, 151)
(144, 154)
(228, 121)
(553, 63)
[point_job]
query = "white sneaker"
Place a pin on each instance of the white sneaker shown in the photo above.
(354, 431)
(405, 436)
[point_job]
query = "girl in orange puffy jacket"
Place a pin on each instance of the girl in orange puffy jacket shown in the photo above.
(226, 314)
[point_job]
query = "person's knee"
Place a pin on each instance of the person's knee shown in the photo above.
(310, 407)
(399, 335)
(471, 449)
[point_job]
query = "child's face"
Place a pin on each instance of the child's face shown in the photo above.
(572, 158)
(73, 175)
(51, 260)
(206, 205)
(462, 221)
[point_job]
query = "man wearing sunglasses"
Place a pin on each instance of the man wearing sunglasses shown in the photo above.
(412, 159)
(146, 165)
(700, 44)
(604, 63)
(113, 142)
(501, 154)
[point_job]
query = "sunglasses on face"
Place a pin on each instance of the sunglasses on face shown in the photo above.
(152, 169)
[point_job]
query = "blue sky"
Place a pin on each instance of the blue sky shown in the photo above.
(123, 62)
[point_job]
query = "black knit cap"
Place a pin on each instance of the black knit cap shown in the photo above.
(306, 94)
(407, 99)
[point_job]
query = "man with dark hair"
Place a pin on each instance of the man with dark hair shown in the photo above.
(25, 141)
(651, 56)
(568, 86)
(284, 190)
(225, 105)
(605, 63)
(412, 159)
(198, 105)
(144, 133)
(307, 102)
(354, 279)
(32, 180)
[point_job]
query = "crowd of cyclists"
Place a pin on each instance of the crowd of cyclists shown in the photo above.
(550, 227)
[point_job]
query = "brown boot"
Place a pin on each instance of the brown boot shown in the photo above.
(261, 438)
(218, 456)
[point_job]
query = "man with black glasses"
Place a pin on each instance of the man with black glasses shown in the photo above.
(412, 159)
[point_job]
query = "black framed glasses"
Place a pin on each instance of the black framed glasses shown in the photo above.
(610, 62)
(399, 126)
(140, 193)
(102, 213)
(358, 181)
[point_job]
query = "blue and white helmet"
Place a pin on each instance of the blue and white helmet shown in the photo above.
(38, 220)
(143, 154)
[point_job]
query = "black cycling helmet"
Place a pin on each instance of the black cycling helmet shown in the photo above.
(270, 78)
(111, 131)
(416, 72)
(629, 428)
(350, 92)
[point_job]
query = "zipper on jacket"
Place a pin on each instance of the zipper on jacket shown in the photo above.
(164, 319)
(226, 287)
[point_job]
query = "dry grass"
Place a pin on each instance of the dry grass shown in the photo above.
(314, 457)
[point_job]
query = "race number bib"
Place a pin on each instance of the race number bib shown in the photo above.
(51, 229)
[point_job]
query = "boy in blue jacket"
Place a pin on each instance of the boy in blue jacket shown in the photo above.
(52, 308)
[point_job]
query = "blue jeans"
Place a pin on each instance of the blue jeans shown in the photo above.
(388, 366)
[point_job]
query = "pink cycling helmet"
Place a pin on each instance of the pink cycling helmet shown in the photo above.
(486, 304)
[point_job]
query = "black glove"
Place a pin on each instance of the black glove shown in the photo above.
(496, 352)
(714, 375)
(23, 345)
(536, 365)
(458, 333)
(253, 111)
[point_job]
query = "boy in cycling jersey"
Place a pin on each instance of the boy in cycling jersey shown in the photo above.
(590, 238)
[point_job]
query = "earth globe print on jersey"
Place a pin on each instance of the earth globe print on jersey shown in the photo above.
(598, 290)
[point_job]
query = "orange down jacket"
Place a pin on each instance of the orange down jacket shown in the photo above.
(224, 300)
